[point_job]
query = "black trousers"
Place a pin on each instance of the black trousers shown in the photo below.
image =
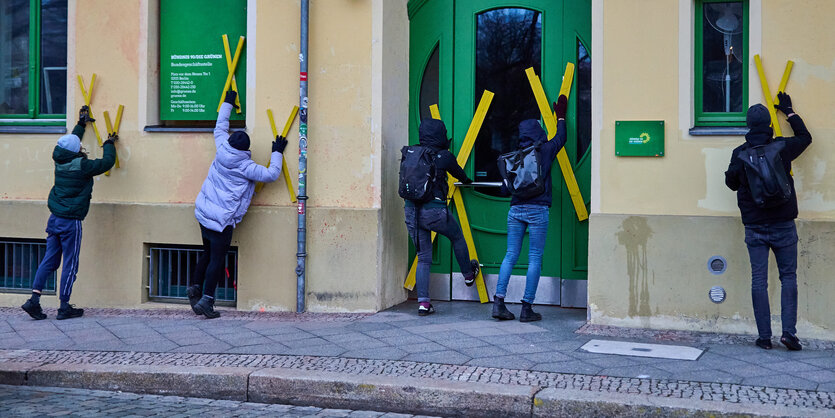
(211, 266)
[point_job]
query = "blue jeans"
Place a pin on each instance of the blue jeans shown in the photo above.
(440, 221)
(63, 236)
(781, 238)
(535, 219)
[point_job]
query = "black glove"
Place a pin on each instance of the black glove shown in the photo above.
(84, 115)
(111, 139)
(279, 144)
(231, 95)
(785, 105)
(466, 180)
(561, 106)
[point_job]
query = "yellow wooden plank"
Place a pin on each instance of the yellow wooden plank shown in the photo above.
(784, 80)
(116, 125)
(231, 73)
(286, 131)
(88, 95)
(229, 68)
(107, 123)
(468, 237)
(463, 155)
(769, 104)
(550, 120)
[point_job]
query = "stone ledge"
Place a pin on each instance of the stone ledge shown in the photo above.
(14, 373)
(552, 402)
(381, 393)
(229, 383)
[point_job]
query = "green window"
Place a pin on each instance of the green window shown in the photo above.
(33, 62)
(721, 57)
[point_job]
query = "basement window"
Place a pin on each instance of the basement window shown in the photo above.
(170, 268)
(19, 263)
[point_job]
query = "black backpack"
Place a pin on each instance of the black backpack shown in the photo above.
(766, 174)
(417, 174)
(521, 171)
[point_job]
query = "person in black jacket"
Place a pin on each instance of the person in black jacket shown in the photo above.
(422, 219)
(771, 228)
(530, 214)
(69, 202)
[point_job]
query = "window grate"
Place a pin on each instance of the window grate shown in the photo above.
(20, 260)
(170, 268)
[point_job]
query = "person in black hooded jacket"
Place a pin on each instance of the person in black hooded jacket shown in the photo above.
(530, 214)
(422, 219)
(771, 228)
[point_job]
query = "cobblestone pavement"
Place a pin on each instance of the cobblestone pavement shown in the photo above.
(22, 401)
(460, 341)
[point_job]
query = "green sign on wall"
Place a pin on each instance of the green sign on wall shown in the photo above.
(639, 138)
(192, 60)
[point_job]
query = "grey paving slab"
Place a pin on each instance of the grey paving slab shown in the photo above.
(548, 357)
(790, 366)
(826, 363)
(270, 348)
(405, 340)
(818, 376)
(422, 347)
(641, 371)
(290, 336)
(306, 342)
(216, 347)
(709, 376)
(445, 357)
(466, 342)
(578, 367)
(484, 351)
(385, 353)
(505, 362)
(317, 350)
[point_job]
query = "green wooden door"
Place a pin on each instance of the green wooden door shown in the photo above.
(490, 44)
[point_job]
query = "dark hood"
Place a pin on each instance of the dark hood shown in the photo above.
(432, 134)
(62, 156)
(239, 140)
(758, 120)
(530, 133)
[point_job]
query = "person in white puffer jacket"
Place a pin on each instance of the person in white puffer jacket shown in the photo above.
(223, 201)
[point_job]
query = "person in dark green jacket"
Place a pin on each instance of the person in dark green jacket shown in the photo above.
(69, 202)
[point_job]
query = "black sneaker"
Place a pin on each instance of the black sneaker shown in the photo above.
(206, 307)
(34, 309)
(69, 312)
(426, 310)
(764, 343)
(791, 342)
(474, 264)
(194, 294)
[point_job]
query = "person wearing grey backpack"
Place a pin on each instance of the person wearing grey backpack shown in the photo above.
(530, 212)
(768, 215)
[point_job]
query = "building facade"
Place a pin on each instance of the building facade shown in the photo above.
(663, 229)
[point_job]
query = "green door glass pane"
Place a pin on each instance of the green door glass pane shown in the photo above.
(53, 71)
(14, 57)
(583, 80)
(508, 41)
(722, 57)
(429, 85)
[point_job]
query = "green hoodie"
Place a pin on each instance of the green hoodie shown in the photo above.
(70, 197)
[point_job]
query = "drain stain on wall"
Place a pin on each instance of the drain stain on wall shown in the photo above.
(633, 235)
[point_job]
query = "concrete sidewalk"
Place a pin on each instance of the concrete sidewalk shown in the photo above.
(457, 361)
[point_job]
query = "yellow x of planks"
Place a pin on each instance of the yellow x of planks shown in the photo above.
(113, 129)
(231, 68)
(769, 102)
(88, 97)
(455, 194)
(550, 120)
(284, 133)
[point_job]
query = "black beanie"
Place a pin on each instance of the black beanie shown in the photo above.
(239, 140)
(758, 117)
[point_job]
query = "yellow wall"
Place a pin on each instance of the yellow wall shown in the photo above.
(645, 71)
(354, 261)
